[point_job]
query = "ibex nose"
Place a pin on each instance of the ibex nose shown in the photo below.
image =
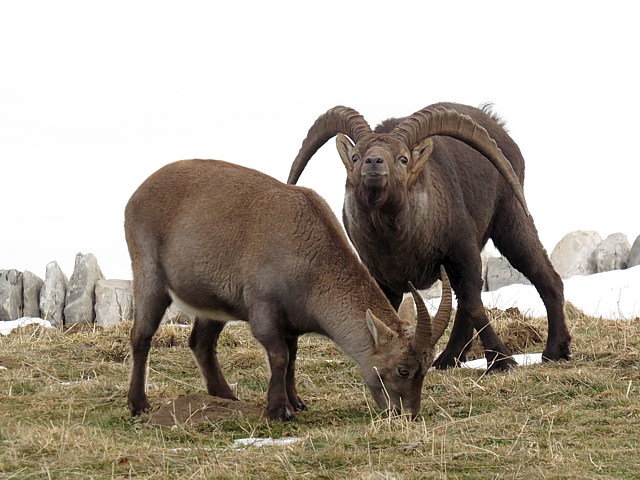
(376, 159)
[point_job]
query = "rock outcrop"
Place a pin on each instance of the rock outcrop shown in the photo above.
(31, 288)
(11, 306)
(613, 253)
(81, 292)
(89, 298)
(114, 302)
(575, 253)
(634, 253)
(53, 294)
(500, 273)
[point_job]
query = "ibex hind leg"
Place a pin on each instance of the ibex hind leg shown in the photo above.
(292, 392)
(203, 342)
(517, 239)
(467, 319)
(466, 280)
(150, 303)
(459, 343)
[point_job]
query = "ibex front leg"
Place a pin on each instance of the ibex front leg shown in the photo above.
(292, 392)
(265, 328)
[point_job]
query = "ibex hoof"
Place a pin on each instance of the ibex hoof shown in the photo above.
(498, 362)
(444, 362)
(138, 408)
(557, 353)
(281, 414)
(299, 405)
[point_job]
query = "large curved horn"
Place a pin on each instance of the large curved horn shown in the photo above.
(336, 120)
(443, 317)
(421, 340)
(432, 121)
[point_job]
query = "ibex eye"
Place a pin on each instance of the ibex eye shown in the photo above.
(355, 158)
(403, 372)
(404, 160)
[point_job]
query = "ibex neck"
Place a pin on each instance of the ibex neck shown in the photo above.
(340, 310)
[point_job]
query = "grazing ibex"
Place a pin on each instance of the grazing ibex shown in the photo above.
(227, 242)
(421, 193)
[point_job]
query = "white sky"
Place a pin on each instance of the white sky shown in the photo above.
(95, 96)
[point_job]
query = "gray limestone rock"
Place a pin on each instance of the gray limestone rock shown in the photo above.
(613, 253)
(434, 291)
(10, 294)
(81, 292)
(500, 273)
(174, 315)
(575, 254)
(634, 253)
(53, 294)
(114, 302)
(31, 287)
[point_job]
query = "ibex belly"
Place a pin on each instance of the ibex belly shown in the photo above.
(213, 314)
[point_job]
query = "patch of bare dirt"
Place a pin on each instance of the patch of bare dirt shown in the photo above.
(511, 326)
(200, 408)
(521, 337)
(7, 362)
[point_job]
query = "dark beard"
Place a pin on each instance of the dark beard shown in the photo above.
(376, 197)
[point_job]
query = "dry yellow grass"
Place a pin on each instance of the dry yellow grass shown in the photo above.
(63, 412)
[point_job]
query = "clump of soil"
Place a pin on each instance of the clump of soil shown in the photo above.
(8, 363)
(511, 326)
(200, 408)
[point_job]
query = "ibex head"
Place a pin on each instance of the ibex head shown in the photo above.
(383, 167)
(395, 372)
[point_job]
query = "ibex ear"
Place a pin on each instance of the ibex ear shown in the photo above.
(382, 335)
(420, 153)
(345, 149)
(407, 310)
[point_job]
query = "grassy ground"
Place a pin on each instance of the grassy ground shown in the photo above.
(63, 412)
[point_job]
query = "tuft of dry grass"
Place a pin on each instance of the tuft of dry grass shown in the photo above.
(63, 411)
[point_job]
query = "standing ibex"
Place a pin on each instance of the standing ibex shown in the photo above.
(421, 193)
(227, 242)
